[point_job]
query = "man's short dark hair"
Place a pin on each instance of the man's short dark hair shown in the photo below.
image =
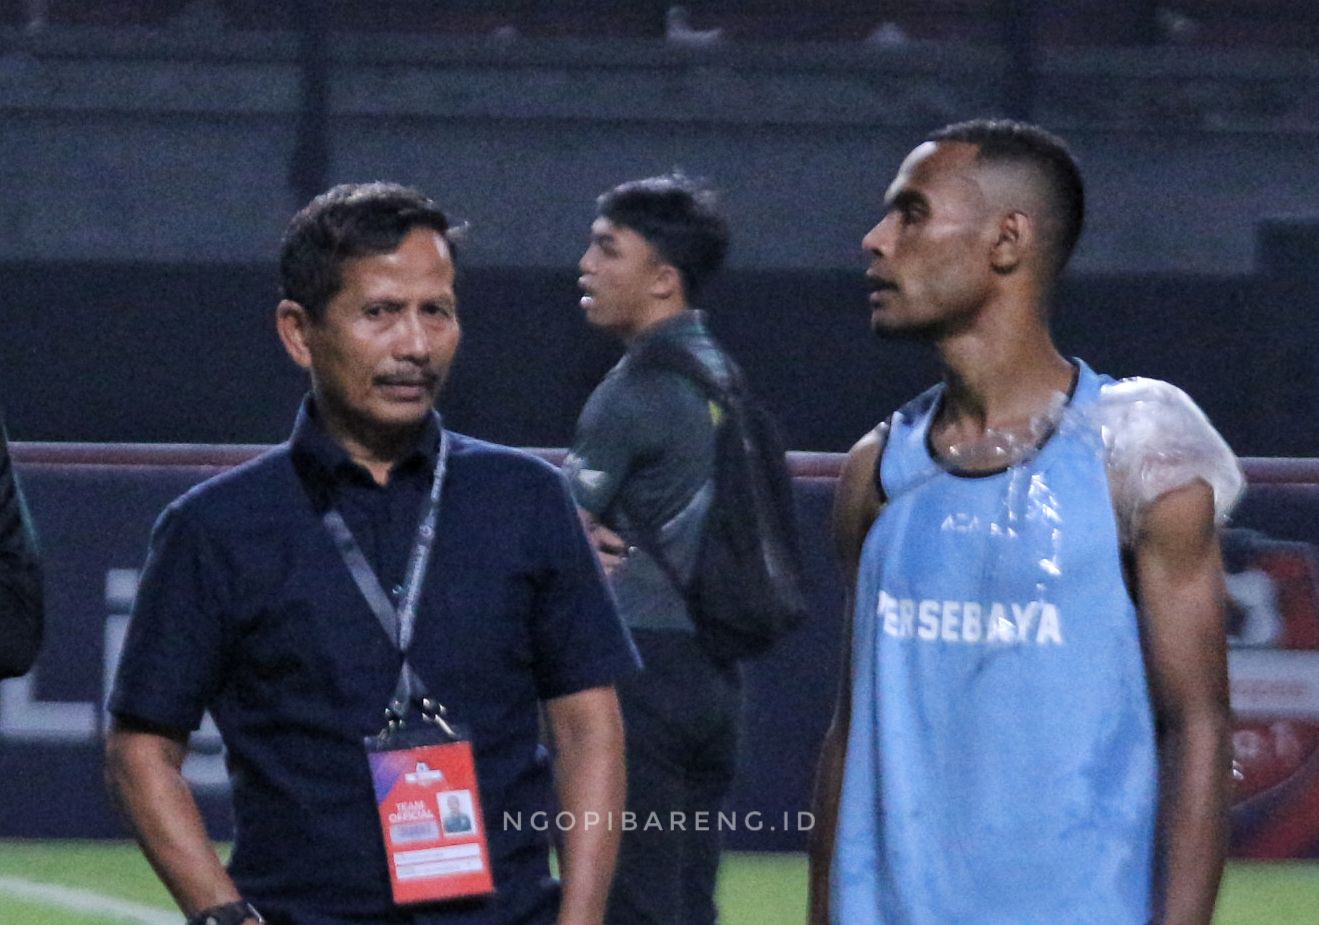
(351, 220)
(679, 217)
(1008, 141)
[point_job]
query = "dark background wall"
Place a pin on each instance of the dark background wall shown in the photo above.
(188, 353)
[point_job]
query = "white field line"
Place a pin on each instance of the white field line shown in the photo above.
(105, 907)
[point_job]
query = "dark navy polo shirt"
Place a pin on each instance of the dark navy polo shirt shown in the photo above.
(246, 609)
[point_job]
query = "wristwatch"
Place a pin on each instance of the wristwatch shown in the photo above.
(228, 914)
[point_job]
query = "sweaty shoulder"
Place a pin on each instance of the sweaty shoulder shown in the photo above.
(1156, 439)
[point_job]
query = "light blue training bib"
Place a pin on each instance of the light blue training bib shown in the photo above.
(1001, 767)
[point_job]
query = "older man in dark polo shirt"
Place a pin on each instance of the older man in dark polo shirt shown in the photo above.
(254, 605)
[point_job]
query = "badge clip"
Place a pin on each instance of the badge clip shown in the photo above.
(432, 711)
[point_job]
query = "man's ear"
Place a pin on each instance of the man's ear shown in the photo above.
(1016, 238)
(667, 283)
(294, 324)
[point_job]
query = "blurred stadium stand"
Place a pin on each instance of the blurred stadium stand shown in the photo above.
(1071, 23)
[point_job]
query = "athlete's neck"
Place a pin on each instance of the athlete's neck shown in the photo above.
(1000, 382)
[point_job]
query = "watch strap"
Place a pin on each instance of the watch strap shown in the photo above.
(227, 914)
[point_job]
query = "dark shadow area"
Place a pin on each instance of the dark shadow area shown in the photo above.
(188, 354)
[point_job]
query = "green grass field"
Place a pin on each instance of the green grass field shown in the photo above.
(755, 889)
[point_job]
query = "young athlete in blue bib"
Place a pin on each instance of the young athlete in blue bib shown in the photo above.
(1032, 726)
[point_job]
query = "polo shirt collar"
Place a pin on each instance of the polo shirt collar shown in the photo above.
(324, 456)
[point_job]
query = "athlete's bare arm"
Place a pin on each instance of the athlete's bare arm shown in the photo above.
(856, 505)
(1180, 591)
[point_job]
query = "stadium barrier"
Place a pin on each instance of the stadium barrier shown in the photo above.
(94, 506)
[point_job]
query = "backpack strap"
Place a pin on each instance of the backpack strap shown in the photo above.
(666, 355)
(648, 539)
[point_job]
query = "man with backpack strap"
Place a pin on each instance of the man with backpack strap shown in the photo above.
(682, 482)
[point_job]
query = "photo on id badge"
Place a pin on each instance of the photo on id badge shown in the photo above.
(456, 814)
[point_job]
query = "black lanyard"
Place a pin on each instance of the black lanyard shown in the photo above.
(399, 623)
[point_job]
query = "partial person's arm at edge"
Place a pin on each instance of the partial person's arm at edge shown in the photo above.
(22, 617)
(143, 769)
(22, 612)
(587, 728)
(856, 505)
(1180, 588)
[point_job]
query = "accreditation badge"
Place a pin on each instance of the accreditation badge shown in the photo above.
(430, 816)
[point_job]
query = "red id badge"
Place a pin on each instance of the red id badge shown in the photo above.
(430, 818)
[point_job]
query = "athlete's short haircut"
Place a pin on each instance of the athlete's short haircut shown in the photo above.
(1011, 142)
(348, 221)
(679, 217)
